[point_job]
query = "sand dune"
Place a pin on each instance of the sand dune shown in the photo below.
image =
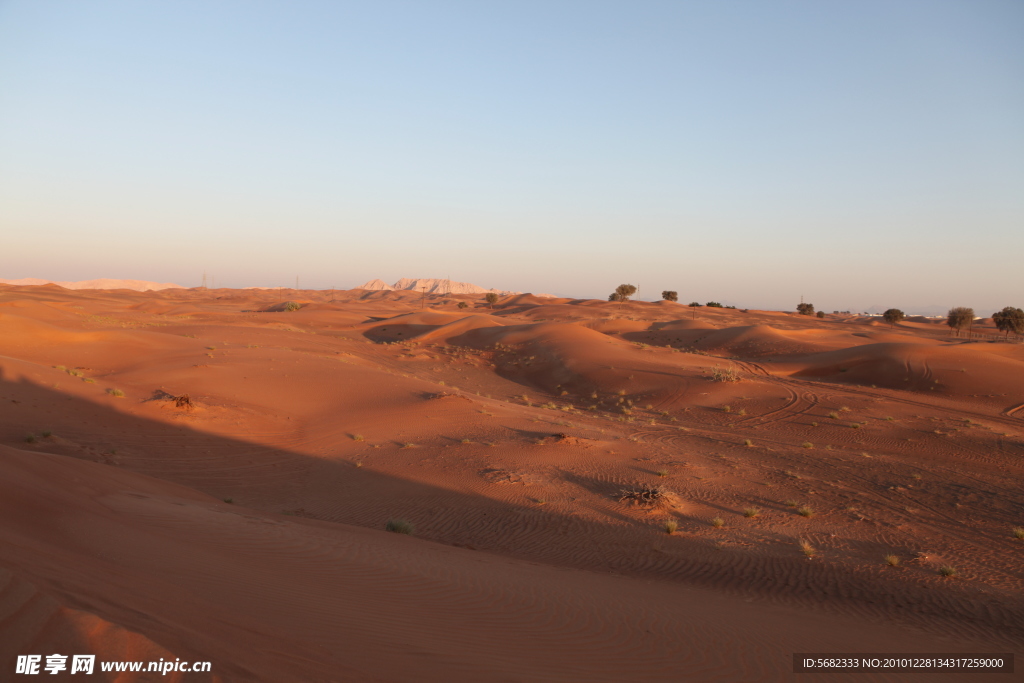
(102, 283)
(248, 528)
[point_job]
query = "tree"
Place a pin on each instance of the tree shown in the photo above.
(669, 295)
(893, 316)
(959, 318)
(463, 304)
(1009, 320)
(624, 292)
(695, 304)
(492, 299)
(821, 314)
(805, 309)
(614, 296)
(713, 304)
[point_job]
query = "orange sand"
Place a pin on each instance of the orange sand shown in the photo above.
(504, 435)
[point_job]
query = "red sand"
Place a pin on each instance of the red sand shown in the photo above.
(505, 436)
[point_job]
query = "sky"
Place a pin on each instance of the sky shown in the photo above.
(749, 152)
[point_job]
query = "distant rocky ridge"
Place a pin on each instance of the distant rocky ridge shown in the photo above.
(103, 283)
(434, 286)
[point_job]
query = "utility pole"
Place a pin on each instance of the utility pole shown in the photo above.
(204, 279)
(423, 299)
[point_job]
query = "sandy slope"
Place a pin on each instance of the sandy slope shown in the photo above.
(504, 435)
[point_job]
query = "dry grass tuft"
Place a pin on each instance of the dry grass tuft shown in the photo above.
(807, 549)
(670, 526)
(805, 511)
(892, 560)
(751, 512)
(718, 522)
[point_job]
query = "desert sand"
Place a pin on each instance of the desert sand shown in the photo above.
(248, 528)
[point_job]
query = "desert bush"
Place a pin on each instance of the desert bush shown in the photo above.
(463, 304)
(791, 503)
(291, 306)
(959, 318)
(1009, 320)
(821, 314)
(805, 309)
(718, 522)
(669, 295)
(948, 571)
(748, 442)
(725, 375)
(805, 511)
(116, 392)
(357, 437)
(893, 316)
(643, 494)
(670, 526)
(399, 526)
(834, 415)
(892, 560)
(1018, 533)
(751, 512)
(623, 292)
(808, 444)
(662, 473)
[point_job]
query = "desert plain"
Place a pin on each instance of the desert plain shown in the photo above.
(596, 491)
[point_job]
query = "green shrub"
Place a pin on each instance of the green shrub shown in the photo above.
(893, 316)
(399, 526)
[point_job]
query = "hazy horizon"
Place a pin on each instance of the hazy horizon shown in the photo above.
(856, 155)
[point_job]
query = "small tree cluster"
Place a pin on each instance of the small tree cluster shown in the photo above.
(959, 318)
(713, 304)
(1009, 320)
(694, 304)
(893, 316)
(669, 295)
(805, 309)
(622, 293)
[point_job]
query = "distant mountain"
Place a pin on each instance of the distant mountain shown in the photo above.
(103, 283)
(433, 286)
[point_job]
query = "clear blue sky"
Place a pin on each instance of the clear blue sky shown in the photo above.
(857, 153)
